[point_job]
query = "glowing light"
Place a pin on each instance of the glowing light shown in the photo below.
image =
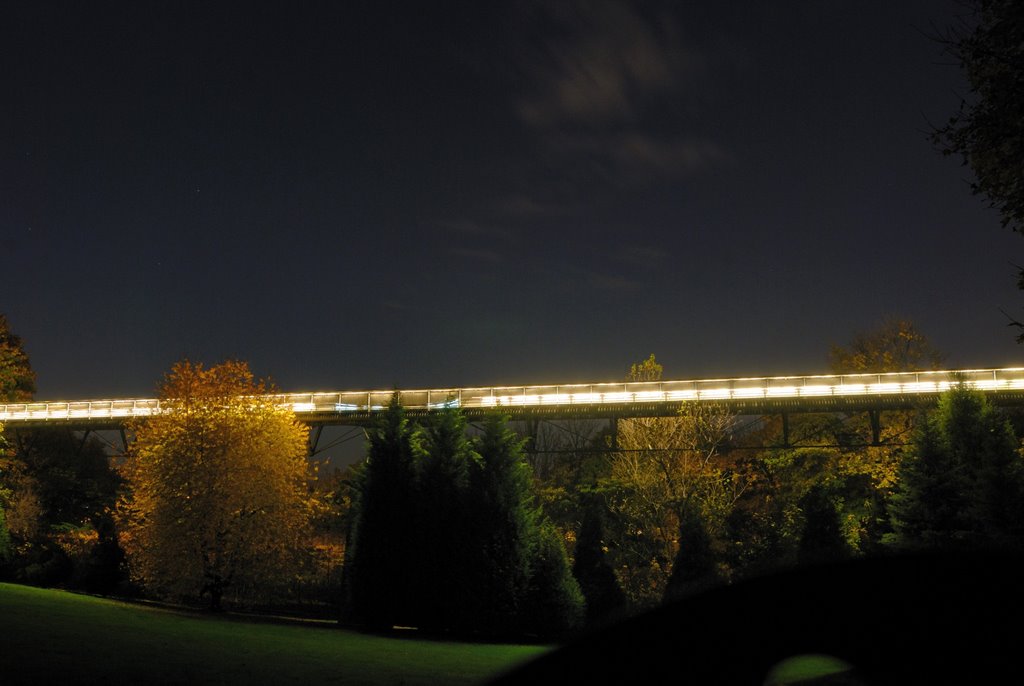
(851, 385)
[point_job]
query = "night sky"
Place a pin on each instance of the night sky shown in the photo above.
(370, 194)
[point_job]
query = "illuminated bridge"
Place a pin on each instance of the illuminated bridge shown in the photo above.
(747, 396)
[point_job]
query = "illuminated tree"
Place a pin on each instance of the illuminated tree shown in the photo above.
(646, 370)
(664, 467)
(17, 384)
(6, 546)
(895, 346)
(17, 380)
(869, 473)
(217, 485)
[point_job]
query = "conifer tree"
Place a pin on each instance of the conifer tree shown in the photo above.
(964, 483)
(553, 603)
(442, 524)
(695, 567)
(604, 596)
(504, 522)
(821, 538)
(382, 544)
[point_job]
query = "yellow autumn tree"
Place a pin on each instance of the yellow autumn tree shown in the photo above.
(217, 493)
(665, 467)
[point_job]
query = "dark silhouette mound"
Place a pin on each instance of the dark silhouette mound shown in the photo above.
(930, 618)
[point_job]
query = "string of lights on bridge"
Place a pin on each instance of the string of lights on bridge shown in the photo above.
(750, 392)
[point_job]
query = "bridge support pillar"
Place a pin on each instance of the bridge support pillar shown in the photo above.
(785, 429)
(85, 438)
(314, 438)
(876, 426)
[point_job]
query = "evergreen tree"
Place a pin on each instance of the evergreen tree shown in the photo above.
(381, 558)
(604, 596)
(821, 538)
(442, 524)
(504, 520)
(695, 567)
(964, 482)
(553, 603)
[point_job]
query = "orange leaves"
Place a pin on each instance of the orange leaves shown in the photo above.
(218, 483)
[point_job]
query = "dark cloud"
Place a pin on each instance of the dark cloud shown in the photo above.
(601, 65)
(601, 79)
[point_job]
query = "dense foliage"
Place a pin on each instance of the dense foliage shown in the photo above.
(484, 531)
(17, 380)
(988, 130)
(964, 483)
(446, 535)
(217, 495)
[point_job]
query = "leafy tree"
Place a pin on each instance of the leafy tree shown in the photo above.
(6, 545)
(866, 476)
(17, 380)
(61, 491)
(381, 554)
(664, 466)
(646, 370)
(964, 482)
(17, 384)
(894, 346)
(988, 130)
(70, 477)
(217, 494)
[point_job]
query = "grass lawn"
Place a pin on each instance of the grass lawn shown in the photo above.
(58, 637)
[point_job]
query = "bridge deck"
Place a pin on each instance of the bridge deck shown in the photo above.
(752, 395)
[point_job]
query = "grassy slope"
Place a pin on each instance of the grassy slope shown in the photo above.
(52, 636)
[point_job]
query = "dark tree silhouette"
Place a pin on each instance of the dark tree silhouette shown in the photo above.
(382, 545)
(964, 483)
(604, 596)
(821, 539)
(695, 567)
(987, 132)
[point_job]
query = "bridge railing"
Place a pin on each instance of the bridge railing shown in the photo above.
(597, 394)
